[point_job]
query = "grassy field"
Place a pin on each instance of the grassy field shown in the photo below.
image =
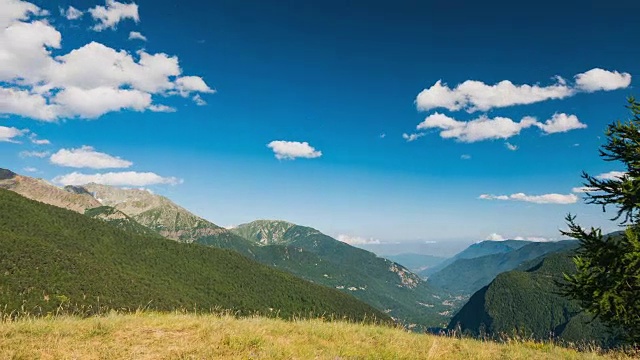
(189, 336)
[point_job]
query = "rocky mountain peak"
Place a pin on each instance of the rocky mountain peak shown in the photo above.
(6, 174)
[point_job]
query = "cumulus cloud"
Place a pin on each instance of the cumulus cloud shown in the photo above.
(465, 157)
(561, 123)
(533, 238)
(108, 17)
(37, 154)
(611, 175)
(536, 199)
(495, 237)
(357, 240)
(188, 84)
(127, 178)
(290, 150)
(485, 128)
(8, 134)
(599, 79)
(30, 169)
(472, 95)
(510, 146)
(87, 157)
(33, 137)
(86, 82)
(412, 137)
(498, 237)
(482, 128)
(134, 35)
(71, 13)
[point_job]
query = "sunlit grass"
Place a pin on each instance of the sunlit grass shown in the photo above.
(148, 335)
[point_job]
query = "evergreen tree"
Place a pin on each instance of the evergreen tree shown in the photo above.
(607, 283)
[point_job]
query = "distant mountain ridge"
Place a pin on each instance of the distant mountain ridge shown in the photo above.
(467, 275)
(482, 248)
(41, 190)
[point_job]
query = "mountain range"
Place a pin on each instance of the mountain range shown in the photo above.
(54, 259)
(301, 251)
(467, 274)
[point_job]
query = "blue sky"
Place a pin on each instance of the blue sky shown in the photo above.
(345, 78)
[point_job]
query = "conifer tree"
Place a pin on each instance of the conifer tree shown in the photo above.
(607, 282)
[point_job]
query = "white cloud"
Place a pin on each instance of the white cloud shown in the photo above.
(583, 189)
(110, 15)
(498, 237)
(383, 135)
(290, 150)
(611, 175)
(510, 146)
(162, 108)
(537, 199)
(472, 95)
(34, 140)
(93, 103)
(482, 128)
(30, 169)
(71, 13)
(87, 157)
(357, 240)
(198, 100)
(134, 35)
(189, 84)
(127, 178)
(465, 157)
(495, 237)
(485, 128)
(8, 134)
(599, 79)
(561, 123)
(412, 137)
(533, 238)
(37, 154)
(86, 82)
(17, 10)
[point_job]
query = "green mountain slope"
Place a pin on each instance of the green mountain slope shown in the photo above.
(314, 256)
(476, 250)
(119, 219)
(528, 303)
(264, 232)
(166, 218)
(52, 256)
(466, 276)
(416, 262)
(379, 282)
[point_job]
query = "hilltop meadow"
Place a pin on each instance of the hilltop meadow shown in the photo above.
(152, 335)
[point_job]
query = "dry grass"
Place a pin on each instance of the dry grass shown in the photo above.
(190, 336)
